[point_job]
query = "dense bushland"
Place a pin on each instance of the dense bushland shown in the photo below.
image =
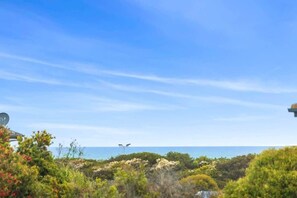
(32, 171)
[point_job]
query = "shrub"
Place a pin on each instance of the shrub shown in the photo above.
(108, 170)
(131, 182)
(36, 147)
(194, 183)
(150, 157)
(164, 179)
(33, 172)
(271, 174)
(17, 178)
(231, 169)
(185, 161)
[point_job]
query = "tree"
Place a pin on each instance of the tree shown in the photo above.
(272, 174)
(184, 159)
(231, 169)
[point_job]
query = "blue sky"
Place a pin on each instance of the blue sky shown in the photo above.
(151, 73)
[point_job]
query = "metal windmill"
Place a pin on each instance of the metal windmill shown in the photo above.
(4, 119)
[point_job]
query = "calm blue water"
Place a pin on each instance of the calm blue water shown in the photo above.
(212, 152)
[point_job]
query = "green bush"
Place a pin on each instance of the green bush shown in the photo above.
(36, 147)
(201, 182)
(150, 157)
(271, 174)
(231, 169)
(184, 159)
(132, 183)
(194, 183)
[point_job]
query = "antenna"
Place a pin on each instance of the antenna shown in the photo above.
(4, 119)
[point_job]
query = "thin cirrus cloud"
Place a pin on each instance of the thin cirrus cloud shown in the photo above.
(242, 86)
(110, 105)
(98, 104)
(243, 118)
(113, 105)
(26, 78)
(207, 99)
(13, 76)
(228, 85)
(83, 128)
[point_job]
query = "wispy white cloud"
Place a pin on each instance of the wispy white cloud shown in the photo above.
(93, 103)
(31, 60)
(244, 86)
(82, 128)
(233, 85)
(114, 105)
(206, 99)
(26, 78)
(110, 105)
(77, 102)
(242, 118)
(13, 76)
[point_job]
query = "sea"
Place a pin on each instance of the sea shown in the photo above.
(103, 153)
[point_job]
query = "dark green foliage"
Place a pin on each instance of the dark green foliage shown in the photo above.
(222, 170)
(150, 157)
(104, 174)
(202, 160)
(231, 169)
(186, 162)
(235, 167)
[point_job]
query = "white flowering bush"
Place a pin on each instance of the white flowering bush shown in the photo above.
(163, 163)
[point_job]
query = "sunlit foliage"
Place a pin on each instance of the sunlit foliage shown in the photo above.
(272, 174)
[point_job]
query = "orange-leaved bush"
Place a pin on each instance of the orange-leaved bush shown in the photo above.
(31, 171)
(16, 176)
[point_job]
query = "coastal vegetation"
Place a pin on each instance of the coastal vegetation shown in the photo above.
(31, 170)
